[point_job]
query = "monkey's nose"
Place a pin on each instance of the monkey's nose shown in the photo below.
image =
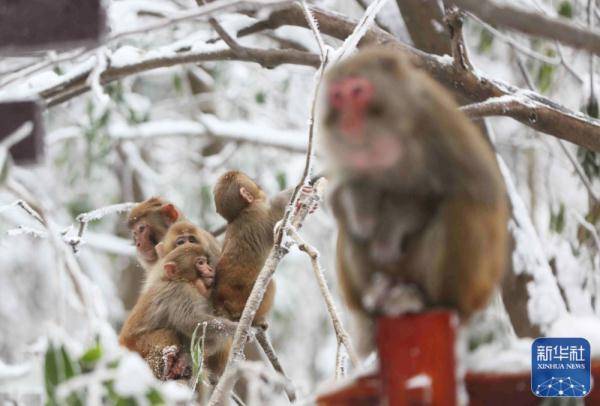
(352, 92)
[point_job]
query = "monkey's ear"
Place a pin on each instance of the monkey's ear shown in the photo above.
(160, 249)
(170, 270)
(170, 211)
(247, 196)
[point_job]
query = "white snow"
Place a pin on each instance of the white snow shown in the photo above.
(419, 381)
(497, 358)
(8, 372)
(133, 376)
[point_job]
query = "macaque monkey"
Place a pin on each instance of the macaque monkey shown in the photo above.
(251, 218)
(191, 266)
(184, 232)
(172, 303)
(417, 193)
(149, 222)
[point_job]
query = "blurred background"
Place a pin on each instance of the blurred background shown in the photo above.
(172, 131)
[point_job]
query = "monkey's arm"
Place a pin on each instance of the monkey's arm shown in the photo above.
(188, 309)
(280, 201)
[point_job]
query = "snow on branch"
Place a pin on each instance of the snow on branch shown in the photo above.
(74, 85)
(94, 215)
(211, 126)
(359, 31)
(550, 117)
(342, 335)
(533, 23)
(545, 303)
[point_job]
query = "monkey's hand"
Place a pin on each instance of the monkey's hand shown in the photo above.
(385, 297)
(175, 364)
(308, 201)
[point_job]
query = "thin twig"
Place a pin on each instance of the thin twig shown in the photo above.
(277, 253)
(267, 347)
(338, 327)
(340, 361)
(84, 218)
(363, 4)
(312, 23)
(514, 44)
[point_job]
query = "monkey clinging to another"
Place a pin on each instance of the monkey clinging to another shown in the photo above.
(251, 217)
(417, 193)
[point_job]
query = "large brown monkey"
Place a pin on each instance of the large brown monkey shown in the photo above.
(417, 193)
(251, 218)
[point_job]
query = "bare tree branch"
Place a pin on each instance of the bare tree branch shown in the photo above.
(533, 23)
(424, 20)
(454, 20)
(340, 332)
(550, 117)
(270, 58)
(265, 344)
(364, 4)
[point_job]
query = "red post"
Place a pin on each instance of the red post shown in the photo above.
(417, 358)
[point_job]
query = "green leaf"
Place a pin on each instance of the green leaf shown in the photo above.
(590, 161)
(544, 77)
(260, 97)
(486, 39)
(91, 356)
(177, 83)
(155, 397)
(281, 180)
(565, 9)
(557, 220)
(51, 377)
(71, 368)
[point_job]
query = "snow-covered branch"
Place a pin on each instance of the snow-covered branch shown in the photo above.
(94, 215)
(340, 332)
(533, 23)
(210, 126)
(550, 117)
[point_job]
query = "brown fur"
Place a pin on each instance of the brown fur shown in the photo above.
(157, 215)
(435, 216)
(167, 311)
(248, 241)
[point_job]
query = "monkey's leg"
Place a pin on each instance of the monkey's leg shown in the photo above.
(161, 349)
(265, 343)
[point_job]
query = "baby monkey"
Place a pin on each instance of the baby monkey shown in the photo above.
(189, 263)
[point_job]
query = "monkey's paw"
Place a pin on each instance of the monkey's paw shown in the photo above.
(403, 299)
(175, 364)
(387, 298)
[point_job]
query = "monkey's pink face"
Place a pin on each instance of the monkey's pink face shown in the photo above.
(359, 137)
(145, 241)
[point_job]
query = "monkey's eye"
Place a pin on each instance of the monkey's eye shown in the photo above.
(201, 260)
(192, 239)
(180, 241)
